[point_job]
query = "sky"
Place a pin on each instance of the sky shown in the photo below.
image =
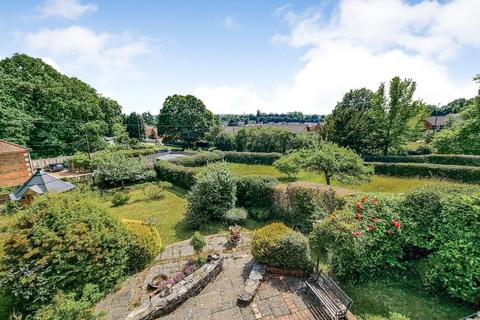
(241, 56)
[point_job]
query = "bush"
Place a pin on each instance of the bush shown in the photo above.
(63, 241)
(181, 176)
(450, 159)
(288, 165)
(457, 173)
(277, 245)
(211, 196)
(261, 214)
(255, 191)
(251, 157)
(11, 207)
(115, 169)
(79, 161)
(199, 159)
(154, 191)
(198, 242)
(236, 216)
(144, 246)
(120, 199)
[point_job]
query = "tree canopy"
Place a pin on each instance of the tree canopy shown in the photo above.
(185, 119)
(136, 126)
(49, 112)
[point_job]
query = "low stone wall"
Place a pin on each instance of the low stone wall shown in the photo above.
(188, 287)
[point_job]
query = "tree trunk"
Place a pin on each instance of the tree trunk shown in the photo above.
(327, 178)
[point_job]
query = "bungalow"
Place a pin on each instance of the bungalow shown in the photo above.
(440, 122)
(38, 184)
(15, 164)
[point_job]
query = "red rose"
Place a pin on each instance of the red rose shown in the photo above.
(371, 228)
(363, 200)
(356, 233)
(396, 224)
(359, 205)
(358, 216)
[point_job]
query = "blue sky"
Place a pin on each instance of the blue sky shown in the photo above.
(240, 56)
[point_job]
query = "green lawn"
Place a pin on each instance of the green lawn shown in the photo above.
(378, 183)
(381, 297)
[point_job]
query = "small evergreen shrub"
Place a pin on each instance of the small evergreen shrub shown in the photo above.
(198, 242)
(211, 196)
(260, 214)
(144, 246)
(154, 191)
(178, 175)
(120, 199)
(62, 242)
(277, 245)
(199, 159)
(236, 216)
(255, 191)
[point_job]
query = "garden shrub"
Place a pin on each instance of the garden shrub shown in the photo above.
(115, 169)
(212, 195)
(255, 191)
(62, 242)
(448, 159)
(260, 214)
(199, 159)
(361, 240)
(178, 175)
(144, 246)
(453, 172)
(120, 199)
(277, 245)
(197, 241)
(11, 207)
(154, 191)
(251, 157)
(236, 216)
(79, 162)
(288, 164)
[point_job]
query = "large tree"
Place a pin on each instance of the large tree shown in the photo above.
(397, 116)
(185, 119)
(49, 112)
(351, 122)
(136, 126)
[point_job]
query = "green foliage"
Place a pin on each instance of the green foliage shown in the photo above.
(260, 214)
(114, 169)
(199, 159)
(450, 159)
(135, 126)
(120, 199)
(335, 162)
(288, 164)
(181, 176)
(398, 118)
(255, 191)
(62, 242)
(197, 241)
(154, 191)
(264, 139)
(456, 173)
(144, 246)
(251, 157)
(277, 245)
(463, 137)
(185, 119)
(219, 139)
(49, 112)
(236, 216)
(79, 161)
(391, 316)
(211, 196)
(11, 207)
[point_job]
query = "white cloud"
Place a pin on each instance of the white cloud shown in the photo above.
(363, 43)
(68, 9)
(230, 22)
(79, 49)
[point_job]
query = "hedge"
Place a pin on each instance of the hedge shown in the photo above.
(199, 159)
(450, 159)
(178, 175)
(255, 191)
(457, 173)
(251, 157)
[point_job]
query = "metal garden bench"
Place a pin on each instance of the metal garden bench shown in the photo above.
(335, 301)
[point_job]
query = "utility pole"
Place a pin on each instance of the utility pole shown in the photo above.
(88, 151)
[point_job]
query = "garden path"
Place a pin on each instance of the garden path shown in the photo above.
(278, 297)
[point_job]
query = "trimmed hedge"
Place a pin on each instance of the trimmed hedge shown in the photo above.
(178, 175)
(276, 245)
(199, 159)
(457, 173)
(251, 157)
(450, 159)
(255, 191)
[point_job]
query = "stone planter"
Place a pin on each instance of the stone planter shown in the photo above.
(179, 293)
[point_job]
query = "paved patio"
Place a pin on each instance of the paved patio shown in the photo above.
(278, 297)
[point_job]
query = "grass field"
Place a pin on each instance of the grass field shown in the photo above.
(378, 183)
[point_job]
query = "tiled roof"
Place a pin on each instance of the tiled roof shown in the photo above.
(8, 147)
(443, 120)
(40, 183)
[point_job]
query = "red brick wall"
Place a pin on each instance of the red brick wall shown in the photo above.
(14, 169)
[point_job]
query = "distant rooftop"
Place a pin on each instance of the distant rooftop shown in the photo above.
(443, 120)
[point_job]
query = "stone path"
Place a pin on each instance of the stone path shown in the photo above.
(278, 297)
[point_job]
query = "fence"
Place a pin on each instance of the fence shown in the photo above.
(42, 163)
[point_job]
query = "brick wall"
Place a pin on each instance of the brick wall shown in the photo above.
(14, 168)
